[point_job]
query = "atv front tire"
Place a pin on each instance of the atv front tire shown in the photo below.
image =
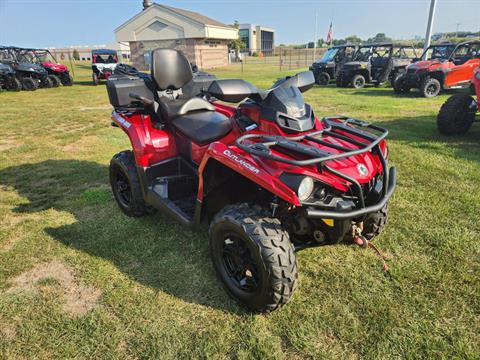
(28, 84)
(14, 84)
(430, 87)
(358, 81)
(374, 223)
(46, 83)
(55, 80)
(253, 257)
(126, 185)
(67, 80)
(456, 115)
(323, 79)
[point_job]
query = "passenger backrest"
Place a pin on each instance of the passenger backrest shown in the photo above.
(171, 70)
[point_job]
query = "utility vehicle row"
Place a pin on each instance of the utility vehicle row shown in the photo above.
(440, 67)
(30, 69)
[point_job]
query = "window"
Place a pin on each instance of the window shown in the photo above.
(244, 35)
(266, 41)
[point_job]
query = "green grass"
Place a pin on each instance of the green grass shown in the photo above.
(159, 296)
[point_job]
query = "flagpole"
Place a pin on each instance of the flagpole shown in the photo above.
(315, 37)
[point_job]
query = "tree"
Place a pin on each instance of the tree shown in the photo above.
(237, 43)
(380, 37)
(353, 39)
(76, 55)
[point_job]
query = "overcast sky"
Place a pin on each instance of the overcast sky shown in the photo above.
(42, 23)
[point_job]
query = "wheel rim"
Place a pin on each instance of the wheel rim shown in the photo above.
(431, 89)
(122, 189)
(358, 82)
(239, 264)
(323, 80)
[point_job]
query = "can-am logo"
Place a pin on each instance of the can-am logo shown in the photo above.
(241, 161)
(362, 169)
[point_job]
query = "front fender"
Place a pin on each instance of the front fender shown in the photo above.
(247, 167)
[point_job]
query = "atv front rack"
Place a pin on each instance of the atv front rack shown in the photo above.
(262, 144)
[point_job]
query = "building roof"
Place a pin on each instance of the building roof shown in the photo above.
(196, 16)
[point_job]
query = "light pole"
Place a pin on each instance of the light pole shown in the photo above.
(431, 15)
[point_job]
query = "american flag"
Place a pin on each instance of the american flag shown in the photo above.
(330, 34)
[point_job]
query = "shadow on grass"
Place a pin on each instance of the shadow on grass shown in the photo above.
(421, 132)
(154, 250)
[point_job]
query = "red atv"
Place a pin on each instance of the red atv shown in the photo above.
(459, 111)
(268, 176)
(446, 66)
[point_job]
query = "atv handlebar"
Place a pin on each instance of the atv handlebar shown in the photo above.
(143, 100)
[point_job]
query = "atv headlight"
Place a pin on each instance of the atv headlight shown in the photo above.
(305, 188)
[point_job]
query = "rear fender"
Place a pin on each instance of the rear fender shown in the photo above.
(246, 167)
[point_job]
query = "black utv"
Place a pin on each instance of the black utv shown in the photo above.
(375, 64)
(8, 80)
(329, 65)
(32, 76)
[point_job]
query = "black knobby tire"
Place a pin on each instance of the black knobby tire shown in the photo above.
(95, 79)
(430, 87)
(374, 223)
(270, 275)
(67, 80)
(126, 186)
(323, 78)
(28, 84)
(400, 84)
(14, 84)
(55, 80)
(358, 81)
(456, 115)
(46, 83)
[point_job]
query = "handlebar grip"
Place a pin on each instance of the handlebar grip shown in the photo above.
(144, 100)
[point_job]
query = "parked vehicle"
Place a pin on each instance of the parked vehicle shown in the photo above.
(32, 76)
(444, 66)
(327, 68)
(375, 64)
(267, 175)
(104, 62)
(57, 72)
(8, 79)
(458, 113)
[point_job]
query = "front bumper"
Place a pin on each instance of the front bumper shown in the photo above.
(355, 213)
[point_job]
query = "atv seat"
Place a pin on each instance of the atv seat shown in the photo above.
(195, 117)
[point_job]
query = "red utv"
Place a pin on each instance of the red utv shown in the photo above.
(445, 66)
(104, 62)
(54, 68)
(268, 176)
(459, 111)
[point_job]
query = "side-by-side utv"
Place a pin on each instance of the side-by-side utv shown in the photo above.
(104, 62)
(375, 64)
(327, 68)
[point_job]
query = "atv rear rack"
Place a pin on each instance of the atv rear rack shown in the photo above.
(316, 156)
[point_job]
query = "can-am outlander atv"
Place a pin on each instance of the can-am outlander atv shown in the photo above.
(458, 113)
(31, 75)
(444, 66)
(375, 64)
(104, 62)
(329, 65)
(8, 79)
(267, 175)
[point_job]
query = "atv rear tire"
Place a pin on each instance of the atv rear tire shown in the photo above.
(253, 257)
(456, 115)
(323, 79)
(374, 223)
(67, 80)
(55, 80)
(14, 84)
(28, 84)
(46, 83)
(430, 87)
(126, 185)
(400, 84)
(358, 81)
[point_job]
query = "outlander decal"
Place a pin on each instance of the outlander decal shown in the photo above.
(241, 161)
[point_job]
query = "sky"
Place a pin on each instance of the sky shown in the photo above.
(57, 23)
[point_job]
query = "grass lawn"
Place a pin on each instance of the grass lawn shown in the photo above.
(80, 280)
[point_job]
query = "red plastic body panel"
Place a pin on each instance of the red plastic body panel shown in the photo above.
(476, 83)
(152, 146)
(55, 67)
